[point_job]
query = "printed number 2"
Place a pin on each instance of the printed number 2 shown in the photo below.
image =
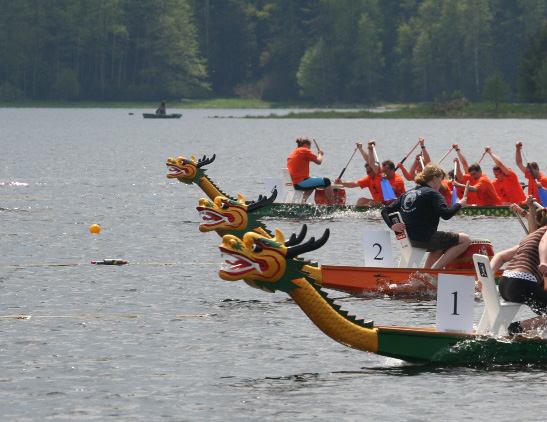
(379, 252)
(455, 303)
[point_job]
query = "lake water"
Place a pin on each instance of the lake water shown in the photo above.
(163, 338)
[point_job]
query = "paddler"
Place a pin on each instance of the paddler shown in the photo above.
(479, 182)
(421, 208)
(370, 181)
(387, 171)
(523, 280)
(536, 174)
(298, 164)
(506, 182)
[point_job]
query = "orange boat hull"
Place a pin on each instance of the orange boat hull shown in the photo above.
(364, 280)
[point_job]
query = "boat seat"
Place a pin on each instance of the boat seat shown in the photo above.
(498, 314)
(293, 195)
(411, 257)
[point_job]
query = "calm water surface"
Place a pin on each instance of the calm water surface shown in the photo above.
(250, 355)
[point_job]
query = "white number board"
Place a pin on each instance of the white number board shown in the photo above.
(455, 301)
(377, 245)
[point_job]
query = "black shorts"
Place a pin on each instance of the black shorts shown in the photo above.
(439, 240)
(524, 291)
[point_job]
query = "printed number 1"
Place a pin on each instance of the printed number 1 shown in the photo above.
(455, 303)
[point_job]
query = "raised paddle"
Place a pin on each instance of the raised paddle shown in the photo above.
(387, 190)
(445, 155)
(403, 160)
(542, 193)
(354, 151)
(315, 142)
(483, 154)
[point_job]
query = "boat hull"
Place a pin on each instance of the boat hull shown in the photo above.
(288, 210)
(366, 280)
(161, 116)
(425, 345)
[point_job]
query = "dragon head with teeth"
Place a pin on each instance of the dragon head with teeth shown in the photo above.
(228, 216)
(266, 263)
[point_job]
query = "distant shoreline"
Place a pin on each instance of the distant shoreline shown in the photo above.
(335, 111)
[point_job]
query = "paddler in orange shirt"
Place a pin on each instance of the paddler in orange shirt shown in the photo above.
(372, 181)
(479, 182)
(532, 184)
(388, 171)
(298, 164)
(506, 182)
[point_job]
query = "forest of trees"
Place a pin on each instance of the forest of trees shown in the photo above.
(319, 51)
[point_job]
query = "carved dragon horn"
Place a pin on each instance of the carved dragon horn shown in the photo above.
(204, 161)
(262, 202)
(309, 246)
(294, 240)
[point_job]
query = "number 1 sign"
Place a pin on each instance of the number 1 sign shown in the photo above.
(455, 300)
(377, 245)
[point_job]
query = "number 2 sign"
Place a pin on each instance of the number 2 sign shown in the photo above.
(377, 245)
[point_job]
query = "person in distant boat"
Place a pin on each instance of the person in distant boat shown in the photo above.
(372, 181)
(481, 190)
(523, 279)
(161, 109)
(420, 209)
(531, 171)
(388, 171)
(298, 164)
(506, 182)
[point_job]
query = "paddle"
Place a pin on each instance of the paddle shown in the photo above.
(483, 154)
(445, 155)
(422, 162)
(454, 191)
(315, 142)
(387, 190)
(466, 189)
(354, 151)
(522, 223)
(542, 193)
(403, 160)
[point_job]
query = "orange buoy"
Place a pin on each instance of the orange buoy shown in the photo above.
(95, 228)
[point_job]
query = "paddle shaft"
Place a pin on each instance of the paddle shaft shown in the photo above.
(466, 189)
(445, 155)
(522, 223)
(315, 142)
(484, 153)
(408, 155)
(354, 151)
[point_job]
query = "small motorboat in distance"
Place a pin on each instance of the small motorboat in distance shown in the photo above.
(161, 116)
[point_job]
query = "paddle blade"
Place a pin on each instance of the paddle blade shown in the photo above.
(454, 196)
(542, 193)
(387, 190)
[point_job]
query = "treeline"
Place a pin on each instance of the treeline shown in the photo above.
(323, 51)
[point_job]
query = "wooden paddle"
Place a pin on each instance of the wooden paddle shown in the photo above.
(315, 142)
(445, 155)
(403, 160)
(484, 153)
(466, 189)
(354, 151)
(387, 190)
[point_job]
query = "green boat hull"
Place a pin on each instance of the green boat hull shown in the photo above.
(287, 210)
(428, 346)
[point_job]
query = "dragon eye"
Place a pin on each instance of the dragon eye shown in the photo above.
(224, 206)
(256, 248)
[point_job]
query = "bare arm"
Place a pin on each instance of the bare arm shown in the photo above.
(518, 157)
(542, 248)
(406, 173)
(319, 158)
(498, 161)
(461, 157)
(427, 159)
(371, 162)
(502, 257)
(362, 151)
(353, 184)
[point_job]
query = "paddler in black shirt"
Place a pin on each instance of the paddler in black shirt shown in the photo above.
(420, 209)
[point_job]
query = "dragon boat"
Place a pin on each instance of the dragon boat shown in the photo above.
(237, 217)
(269, 264)
(190, 171)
